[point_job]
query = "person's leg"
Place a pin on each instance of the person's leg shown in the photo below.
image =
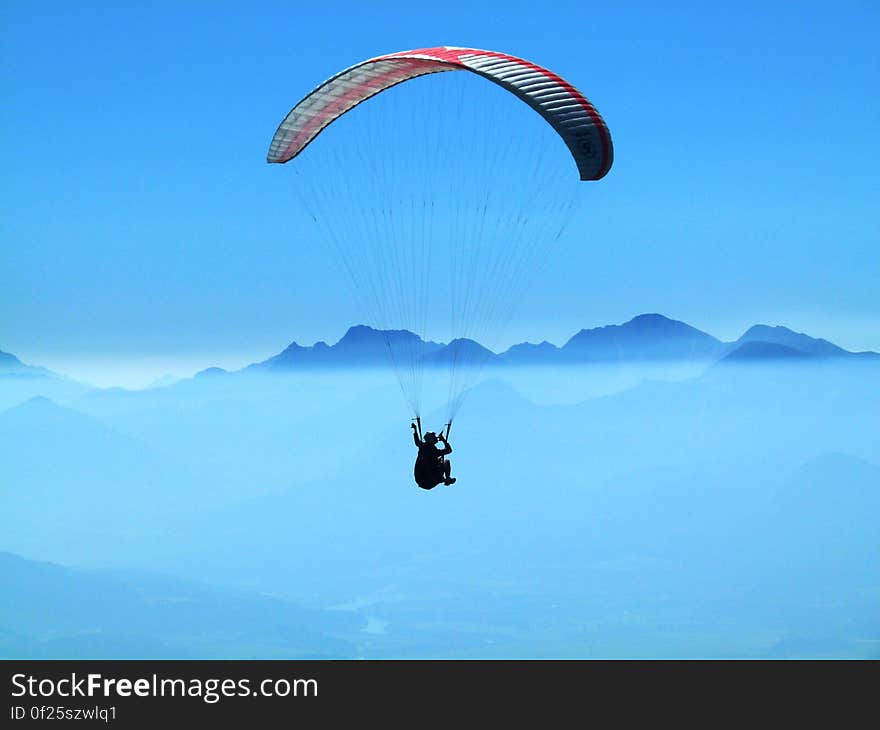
(447, 470)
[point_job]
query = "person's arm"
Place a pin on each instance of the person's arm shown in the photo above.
(447, 449)
(416, 436)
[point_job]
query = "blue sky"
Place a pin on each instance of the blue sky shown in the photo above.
(142, 229)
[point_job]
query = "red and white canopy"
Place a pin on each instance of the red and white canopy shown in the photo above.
(568, 111)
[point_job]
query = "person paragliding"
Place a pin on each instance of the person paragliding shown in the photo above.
(449, 165)
(432, 467)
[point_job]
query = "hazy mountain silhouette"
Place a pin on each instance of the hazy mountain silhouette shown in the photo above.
(210, 372)
(9, 361)
(791, 340)
(678, 503)
(20, 381)
(759, 350)
(360, 346)
(11, 365)
(463, 352)
(55, 459)
(526, 353)
(646, 337)
(52, 610)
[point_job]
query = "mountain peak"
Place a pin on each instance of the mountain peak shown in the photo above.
(657, 322)
(650, 319)
(789, 338)
(649, 336)
(360, 331)
(757, 330)
(526, 353)
(210, 372)
(361, 335)
(361, 345)
(463, 351)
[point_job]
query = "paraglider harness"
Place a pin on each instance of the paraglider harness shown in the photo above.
(418, 421)
(431, 467)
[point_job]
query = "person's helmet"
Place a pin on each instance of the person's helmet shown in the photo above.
(431, 437)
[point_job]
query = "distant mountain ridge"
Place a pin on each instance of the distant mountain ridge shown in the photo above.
(359, 346)
(644, 338)
(649, 337)
(20, 381)
(762, 342)
(795, 340)
(761, 350)
(63, 611)
(11, 365)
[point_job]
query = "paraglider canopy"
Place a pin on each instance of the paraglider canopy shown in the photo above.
(568, 111)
